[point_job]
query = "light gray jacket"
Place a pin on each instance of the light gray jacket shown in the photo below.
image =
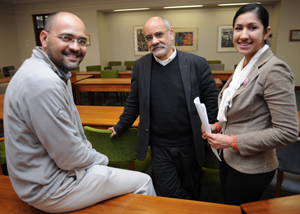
(44, 138)
(263, 116)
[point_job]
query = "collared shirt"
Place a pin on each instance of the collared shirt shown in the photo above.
(167, 61)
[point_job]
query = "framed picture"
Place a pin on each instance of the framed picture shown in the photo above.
(140, 44)
(88, 37)
(225, 39)
(295, 35)
(186, 38)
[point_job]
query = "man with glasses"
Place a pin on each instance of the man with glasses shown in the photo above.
(51, 164)
(164, 86)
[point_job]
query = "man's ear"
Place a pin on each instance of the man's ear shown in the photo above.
(172, 34)
(44, 38)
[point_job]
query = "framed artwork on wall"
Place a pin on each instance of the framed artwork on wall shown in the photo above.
(225, 39)
(88, 37)
(186, 38)
(295, 35)
(140, 44)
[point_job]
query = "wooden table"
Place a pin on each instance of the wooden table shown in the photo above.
(125, 74)
(110, 85)
(219, 83)
(94, 116)
(77, 78)
(126, 204)
(5, 79)
(102, 85)
(281, 205)
(122, 74)
(223, 75)
(101, 117)
(96, 74)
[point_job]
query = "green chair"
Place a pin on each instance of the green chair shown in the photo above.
(2, 155)
(93, 68)
(210, 175)
(128, 65)
(214, 61)
(1, 74)
(235, 66)
(114, 63)
(119, 67)
(120, 150)
(109, 74)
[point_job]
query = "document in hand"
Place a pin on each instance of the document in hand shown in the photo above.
(204, 119)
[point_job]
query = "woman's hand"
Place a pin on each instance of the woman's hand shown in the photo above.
(219, 141)
(213, 129)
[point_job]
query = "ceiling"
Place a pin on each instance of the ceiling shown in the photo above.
(167, 2)
(110, 5)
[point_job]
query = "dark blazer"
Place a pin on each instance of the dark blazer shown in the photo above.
(197, 82)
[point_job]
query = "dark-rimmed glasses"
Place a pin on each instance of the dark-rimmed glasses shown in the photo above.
(157, 35)
(69, 39)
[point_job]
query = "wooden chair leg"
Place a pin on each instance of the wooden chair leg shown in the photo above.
(278, 183)
(131, 165)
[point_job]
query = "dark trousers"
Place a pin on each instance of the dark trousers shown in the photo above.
(239, 188)
(176, 171)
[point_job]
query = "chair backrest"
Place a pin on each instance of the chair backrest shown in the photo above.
(120, 148)
(289, 158)
(114, 63)
(128, 64)
(109, 74)
(1, 74)
(2, 154)
(216, 66)
(93, 68)
(211, 161)
(77, 69)
(119, 67)
(214, 61)
(7, 69)
(3, 87)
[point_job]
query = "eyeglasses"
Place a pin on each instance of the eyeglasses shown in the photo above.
(158, 35)
(69, 39)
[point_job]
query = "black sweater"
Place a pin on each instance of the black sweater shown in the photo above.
(170, 123)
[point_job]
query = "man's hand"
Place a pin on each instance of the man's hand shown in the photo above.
(113, 132)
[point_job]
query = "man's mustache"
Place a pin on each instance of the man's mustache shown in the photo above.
(158, 46)
(73, 52)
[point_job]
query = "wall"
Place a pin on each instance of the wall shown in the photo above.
(9, 43)
(120, 29)
(103, 46)
(92, 56)
(112, 33)
(289, 51)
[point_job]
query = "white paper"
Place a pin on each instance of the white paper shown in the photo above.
(201, 109)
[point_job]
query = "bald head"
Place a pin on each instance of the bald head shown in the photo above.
(157, 19)
(54, 17)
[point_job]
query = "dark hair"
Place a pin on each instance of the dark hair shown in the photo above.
(260, 11)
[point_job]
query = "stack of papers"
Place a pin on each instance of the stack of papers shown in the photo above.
(201, 109)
